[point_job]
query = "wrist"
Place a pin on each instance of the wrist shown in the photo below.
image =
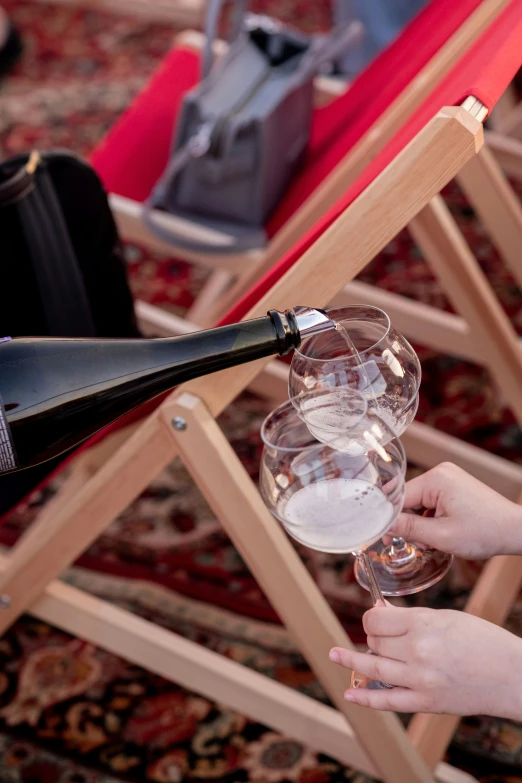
(510, 538)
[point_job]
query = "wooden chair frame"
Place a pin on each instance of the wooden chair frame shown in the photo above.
(178, 12)
(373, 742)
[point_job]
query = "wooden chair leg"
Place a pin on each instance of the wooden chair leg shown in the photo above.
(451, 260)
(512, 124)
(242, 284)
(507, 152)
(156, 322)
(98, 454)
(498, 207)
(210, 297)
(283, 578)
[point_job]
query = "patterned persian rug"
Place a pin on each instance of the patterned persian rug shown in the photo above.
(70, 713)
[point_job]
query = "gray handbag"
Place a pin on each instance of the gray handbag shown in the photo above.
(243, 130)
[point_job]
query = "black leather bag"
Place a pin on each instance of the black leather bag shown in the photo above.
(62, 265)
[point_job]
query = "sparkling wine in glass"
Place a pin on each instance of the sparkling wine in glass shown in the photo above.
(329, 499)
(365, 353)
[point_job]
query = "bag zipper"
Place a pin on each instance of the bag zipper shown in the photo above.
(208, 137)
(216, 141)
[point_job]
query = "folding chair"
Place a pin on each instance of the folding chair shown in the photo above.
(346, 135)
(399, 188)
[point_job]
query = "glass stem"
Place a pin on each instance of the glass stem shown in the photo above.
(397, 543)
(375, 590)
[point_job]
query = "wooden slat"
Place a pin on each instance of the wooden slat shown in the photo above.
(497, 205)
(201, 310)
(450, 258)
(422, 323)
(512, 124)
(508, 153)
(178, 12)
(428, 447)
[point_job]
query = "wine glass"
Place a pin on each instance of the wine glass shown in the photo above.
(339, 492)
(367, 354)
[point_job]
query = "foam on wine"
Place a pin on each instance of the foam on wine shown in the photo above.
(338, 515)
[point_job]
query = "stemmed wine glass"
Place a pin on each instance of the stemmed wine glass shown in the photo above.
(333, 474)
(368, 355)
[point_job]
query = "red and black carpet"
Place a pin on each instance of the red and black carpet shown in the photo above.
(70, 713)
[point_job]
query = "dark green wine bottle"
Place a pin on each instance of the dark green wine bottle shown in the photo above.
(56, 393)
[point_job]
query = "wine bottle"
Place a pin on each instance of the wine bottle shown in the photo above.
(56, 393)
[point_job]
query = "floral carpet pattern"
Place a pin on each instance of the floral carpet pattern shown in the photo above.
(71, 713)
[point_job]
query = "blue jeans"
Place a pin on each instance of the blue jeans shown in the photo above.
(383, 20)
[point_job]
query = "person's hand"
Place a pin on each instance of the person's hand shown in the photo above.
(470, 519)
(441, 660)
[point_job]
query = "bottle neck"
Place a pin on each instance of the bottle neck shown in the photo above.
(294, 325)
(286, 330)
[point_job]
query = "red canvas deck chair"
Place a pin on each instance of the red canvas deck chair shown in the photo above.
(347, 133)
(399, 188)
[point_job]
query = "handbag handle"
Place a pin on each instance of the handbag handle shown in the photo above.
(241, 240)
(327, 49)
(214, 9)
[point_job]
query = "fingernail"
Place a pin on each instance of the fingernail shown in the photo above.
(380, 603)
(334, 656)
(349, 696)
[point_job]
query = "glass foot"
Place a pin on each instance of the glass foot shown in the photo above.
(361, 681)
(403, 569)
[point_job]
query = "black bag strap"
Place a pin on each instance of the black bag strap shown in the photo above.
(55, 266)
